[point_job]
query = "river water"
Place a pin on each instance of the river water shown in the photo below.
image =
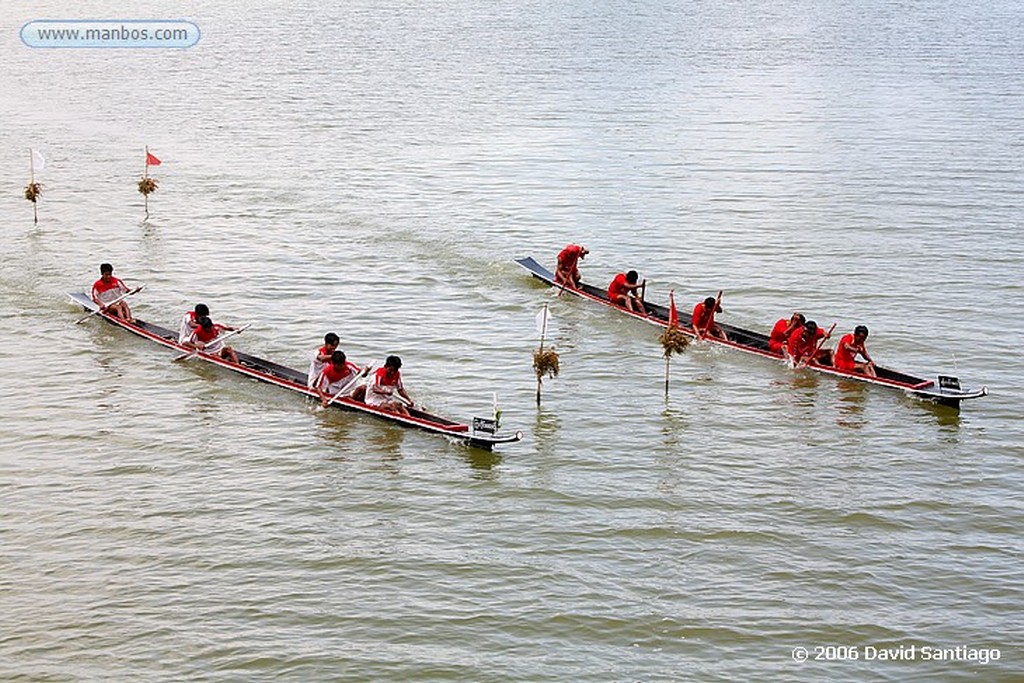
(374, 169)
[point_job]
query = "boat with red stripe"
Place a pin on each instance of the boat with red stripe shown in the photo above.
(944, 390)
(481, 433)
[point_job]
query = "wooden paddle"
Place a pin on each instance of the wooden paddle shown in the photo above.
(351, 383)
(222, 337)
(104, 307)
(814, 355)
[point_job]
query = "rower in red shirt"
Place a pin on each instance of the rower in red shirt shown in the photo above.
(783, 328)
(205, 338)
(386, 382)
(846, 353)
(107, 290)
(622, 292)
(190, 321)
(567, 272)
(321, 357)
(335, 376)
(703, 320)
(802, 343)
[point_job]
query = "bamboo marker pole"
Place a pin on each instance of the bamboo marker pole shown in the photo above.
(34, 189)
(540, 349)
(32, 182)
(145, 176)
(544, 362)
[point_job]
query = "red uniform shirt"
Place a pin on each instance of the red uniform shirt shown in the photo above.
(844, 360)
(568, 257)
(702, 319)
(800, 347)
(617, 288)
(103, 290)
(207, 335)
(334, 374)
(778, 335)
(382, 379)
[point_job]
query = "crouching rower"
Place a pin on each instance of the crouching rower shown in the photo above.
(338, 375)
(386, 387)
(783, 328)
(567, 271)
(190, 321)
(321, 357)
(803, 345)
(206, 338)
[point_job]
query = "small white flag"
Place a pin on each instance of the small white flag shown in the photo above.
(543, 319)
(38, 162)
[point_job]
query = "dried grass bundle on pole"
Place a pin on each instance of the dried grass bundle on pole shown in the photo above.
(673, 340)
(147, 185)
(545, 361)
(33, 190)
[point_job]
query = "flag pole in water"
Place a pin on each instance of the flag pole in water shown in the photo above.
(148, 185)
(544, 362)
(673, 340)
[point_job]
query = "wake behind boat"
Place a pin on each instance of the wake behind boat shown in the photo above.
(943, 390)
(482, 433)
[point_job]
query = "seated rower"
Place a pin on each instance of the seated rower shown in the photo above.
(622, 292)
(383, 386)
(803, 342)
(205, 338)
(321, 357)
(109, 289)
(567, 272)
(336, 375)
(703, 321)
(846, 353)
(783, 328)
(190, 321)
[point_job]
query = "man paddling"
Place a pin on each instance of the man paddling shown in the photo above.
(803, 345)
(567, 271)
(321, 357)
(386, 386)
(783, 328)
(623, 292)
(850, 345)
(336, 375)
(703, 320)
(190, 321)
(107, 291)
(205, 338)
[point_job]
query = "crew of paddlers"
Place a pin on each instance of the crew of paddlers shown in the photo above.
(797, 339)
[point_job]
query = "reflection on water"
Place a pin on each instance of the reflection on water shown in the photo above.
(482, 462)
(851, 403)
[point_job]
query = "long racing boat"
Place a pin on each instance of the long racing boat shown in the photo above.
(481, 433)
(944, 389)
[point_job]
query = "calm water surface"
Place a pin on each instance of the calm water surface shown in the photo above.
(373, 169)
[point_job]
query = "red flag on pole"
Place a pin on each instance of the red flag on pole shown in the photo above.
(673, 314)
(151, 160)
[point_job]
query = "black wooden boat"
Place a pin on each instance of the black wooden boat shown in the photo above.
(480, 434)
(944, 390)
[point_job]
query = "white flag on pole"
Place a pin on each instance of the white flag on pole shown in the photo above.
(543, 320)
(38, 161)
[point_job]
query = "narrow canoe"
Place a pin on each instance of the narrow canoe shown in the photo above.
(944, 390)
(477, 434)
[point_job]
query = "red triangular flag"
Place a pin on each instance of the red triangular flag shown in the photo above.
(673, 314)
(151, 160)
